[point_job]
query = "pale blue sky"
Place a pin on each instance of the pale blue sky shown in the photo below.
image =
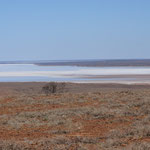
(74, 29)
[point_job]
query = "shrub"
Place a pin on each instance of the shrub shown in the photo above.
(54, 87)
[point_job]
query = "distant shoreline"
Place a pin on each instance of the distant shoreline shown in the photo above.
(85, 82)
(87, 63)
(100, 63)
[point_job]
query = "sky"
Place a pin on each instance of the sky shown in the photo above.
(74, 29)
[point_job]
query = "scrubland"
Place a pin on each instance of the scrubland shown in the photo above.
(101, 118)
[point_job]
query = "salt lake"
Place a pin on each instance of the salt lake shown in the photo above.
(35, 73)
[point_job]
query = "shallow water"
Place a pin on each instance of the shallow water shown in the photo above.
(31, 72)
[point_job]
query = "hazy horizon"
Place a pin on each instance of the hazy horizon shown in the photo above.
(74, 59)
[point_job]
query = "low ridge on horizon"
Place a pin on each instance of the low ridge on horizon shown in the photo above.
(84, 62)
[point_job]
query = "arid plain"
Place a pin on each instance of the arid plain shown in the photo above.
(83, 117)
